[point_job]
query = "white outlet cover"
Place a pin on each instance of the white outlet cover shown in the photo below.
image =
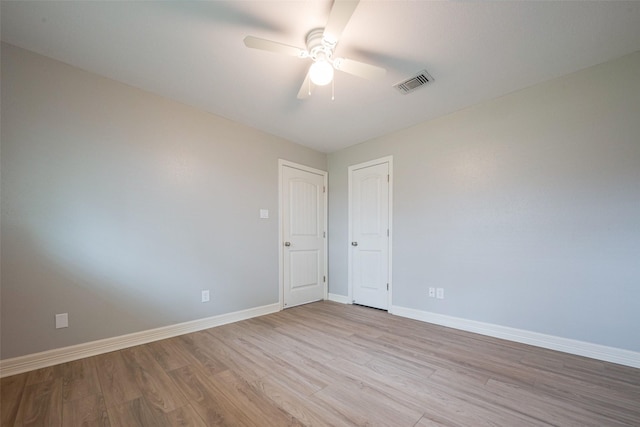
(432, 292)
(205, 296)
(62, 320)
(264, 213)
(440, 293)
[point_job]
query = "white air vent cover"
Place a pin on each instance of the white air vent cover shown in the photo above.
(413, 83)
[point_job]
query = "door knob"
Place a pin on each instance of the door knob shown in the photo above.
(287, 243)
(354, 243)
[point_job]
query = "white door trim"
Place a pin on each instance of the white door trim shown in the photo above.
(282, 163)
(389, 161)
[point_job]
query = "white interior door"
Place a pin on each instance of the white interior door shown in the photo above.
(369, 264)
(303, 213)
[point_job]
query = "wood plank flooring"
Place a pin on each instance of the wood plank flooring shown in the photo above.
(326, 364)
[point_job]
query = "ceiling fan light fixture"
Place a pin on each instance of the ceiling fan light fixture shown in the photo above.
(321, 72)
(321, 43)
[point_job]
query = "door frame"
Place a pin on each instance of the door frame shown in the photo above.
(286, 163)
(389, 161)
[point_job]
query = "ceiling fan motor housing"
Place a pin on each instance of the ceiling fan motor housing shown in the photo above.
(318, 47)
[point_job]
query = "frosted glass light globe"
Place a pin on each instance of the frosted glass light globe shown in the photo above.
(321, 72)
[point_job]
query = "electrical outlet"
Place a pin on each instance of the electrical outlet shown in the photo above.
(432, 292)
(205, 296)
(62, 320)
(440, 293)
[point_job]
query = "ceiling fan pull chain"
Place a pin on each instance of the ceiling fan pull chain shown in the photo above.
(333, 89)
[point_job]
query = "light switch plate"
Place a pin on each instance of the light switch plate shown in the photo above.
(264, 213)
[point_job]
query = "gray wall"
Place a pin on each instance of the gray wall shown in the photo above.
(119, 207)
(525, 209)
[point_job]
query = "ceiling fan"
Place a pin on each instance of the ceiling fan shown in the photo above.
(321, 43)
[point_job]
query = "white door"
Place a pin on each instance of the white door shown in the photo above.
(303, 201)
(369, 234)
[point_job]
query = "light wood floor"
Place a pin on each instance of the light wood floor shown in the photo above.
(326, 364)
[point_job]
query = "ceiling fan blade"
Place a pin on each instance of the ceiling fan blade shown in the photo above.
(271, 46)
(306, 88)
(339, 18)
(359, 69)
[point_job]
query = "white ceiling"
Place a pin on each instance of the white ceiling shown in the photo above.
(193, 52)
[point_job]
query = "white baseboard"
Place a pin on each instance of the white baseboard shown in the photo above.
(18, 365)
(566, 345)
(56, 356)
(339, 298)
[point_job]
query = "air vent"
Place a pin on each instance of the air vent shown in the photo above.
(415, 82)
